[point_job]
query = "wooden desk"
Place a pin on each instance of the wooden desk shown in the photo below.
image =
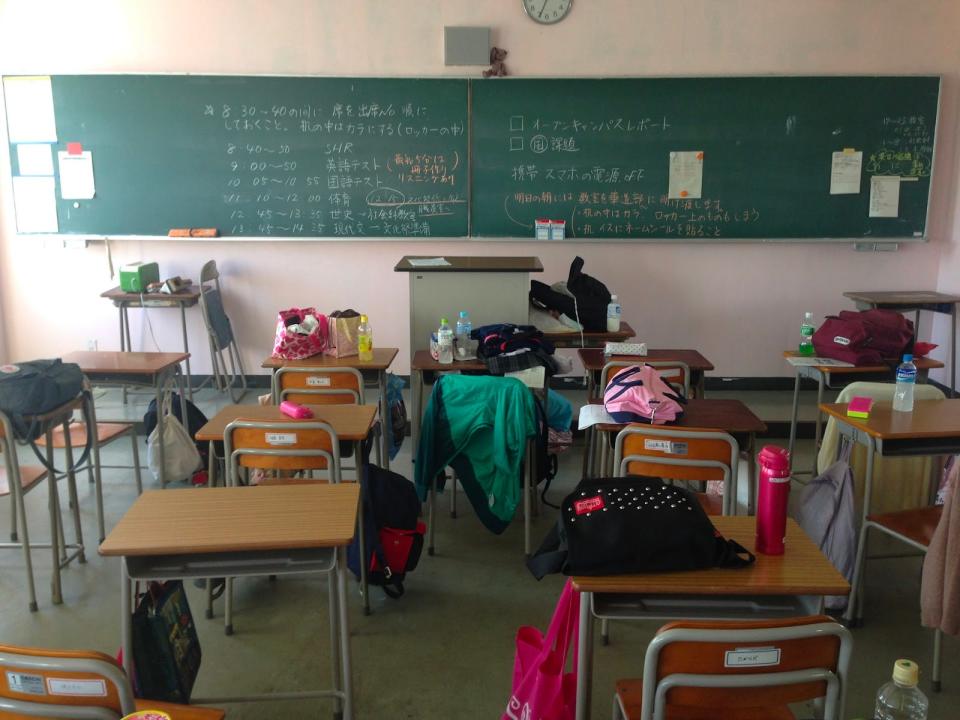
(382, 358)
(572, 338)
(832, 376)
(349, 422)
(188, 297)
(234, 532)
(933, 428)
(593, 360)
(915, 301)
(774, 586)
(149, 369)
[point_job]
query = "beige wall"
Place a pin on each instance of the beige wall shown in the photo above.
(739, 304)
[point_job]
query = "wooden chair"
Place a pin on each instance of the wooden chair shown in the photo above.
(702, 670)
(220, 334)
(106, 433)
(75, 684)
(915, 528)
(16, 481)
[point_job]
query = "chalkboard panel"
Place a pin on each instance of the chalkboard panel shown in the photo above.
(267, 156)
(596, 153)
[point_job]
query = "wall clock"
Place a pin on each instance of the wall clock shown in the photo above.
(547, 12)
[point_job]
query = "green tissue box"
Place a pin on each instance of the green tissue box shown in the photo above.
(136, 276)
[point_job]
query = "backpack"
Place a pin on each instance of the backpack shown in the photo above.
(639, 394)
(502, 338)
(393, 532)
(864, 338)
(592, 298)
(35, 388)
(396, 422)
(195, 420)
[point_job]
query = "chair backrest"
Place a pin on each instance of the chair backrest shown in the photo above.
(698, 454)
(62, 684)
(710, 664)
(211, 307)
(299, 445)
(674, 372)
(318, 386)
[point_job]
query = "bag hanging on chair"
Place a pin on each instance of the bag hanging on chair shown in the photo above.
(541, 686)
(180, 455)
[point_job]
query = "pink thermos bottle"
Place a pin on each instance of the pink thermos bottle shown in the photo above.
(772, 496)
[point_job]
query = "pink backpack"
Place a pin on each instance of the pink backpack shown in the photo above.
(638, 394)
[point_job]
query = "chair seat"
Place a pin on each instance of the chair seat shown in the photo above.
(78, 434)
(630, 695)
(182, 712)
(917, 525)
(30, 475)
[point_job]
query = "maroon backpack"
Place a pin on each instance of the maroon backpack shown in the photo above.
(868, 337)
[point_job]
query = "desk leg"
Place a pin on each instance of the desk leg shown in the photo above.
(431, 515)
(384, 418)
(416, 401)
(347, 679)
(527, 484)
(124, 341)
(160, 424)
(854, 612)
(817, 425)
(53, 502)
(186, 349)
(953, 350)
(359, 459)
(126, 618)
(335, 668)
(796, 410)
(585, 658)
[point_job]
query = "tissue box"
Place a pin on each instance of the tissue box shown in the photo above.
(135, 277)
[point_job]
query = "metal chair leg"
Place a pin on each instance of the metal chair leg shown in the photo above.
(136, 461)
(55, 529)
(72, 490)
(935, 676)
(453, 496)
(605, 631)
(17, 504)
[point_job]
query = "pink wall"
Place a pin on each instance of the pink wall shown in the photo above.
(739, 304)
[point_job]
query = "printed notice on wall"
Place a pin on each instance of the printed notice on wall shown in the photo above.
(885, 196)
(76, 175)
(845, 172)
(686, 174)
(35, 202)
(34, 159)
(29, 101)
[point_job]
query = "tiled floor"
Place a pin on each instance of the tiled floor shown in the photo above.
(443, 651)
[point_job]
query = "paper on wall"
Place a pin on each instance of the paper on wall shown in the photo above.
(30, 117)
(885, 196)
(76, 175)
(686, 174)
(845, 172)
(35, 202)
(34, 159)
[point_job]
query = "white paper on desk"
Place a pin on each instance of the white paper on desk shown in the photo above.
(76, 175)
(429, 262)
(593, 415)
(686, 174)
(885, 196)
(29, 101)
(34, 159)
(845, 172)
(809, 361)
(35, 202)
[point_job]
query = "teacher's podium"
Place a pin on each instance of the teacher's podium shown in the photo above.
(491, 289)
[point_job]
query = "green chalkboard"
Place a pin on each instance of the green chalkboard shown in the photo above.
(598, 154)
(267, 156)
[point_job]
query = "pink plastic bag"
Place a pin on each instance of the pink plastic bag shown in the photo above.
(542, 690)
(291, 345)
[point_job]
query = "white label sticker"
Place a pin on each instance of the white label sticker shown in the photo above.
(659, 445)
(752, 657)
(24, 683)
(318, 381)
(281, 438)
(841, 340)
(9, 369)
(678, 448)
(69, 686)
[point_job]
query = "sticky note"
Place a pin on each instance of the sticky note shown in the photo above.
(74, 148)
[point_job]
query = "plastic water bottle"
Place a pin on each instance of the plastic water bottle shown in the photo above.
(365, 340)
(613, 314)
(806, 334)
(901, 699)
(906, 379)
(464, 328)
(444, 343)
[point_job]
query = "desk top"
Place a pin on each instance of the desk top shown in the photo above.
(929, 419)
(571, 338)
(801, 570)
(902, 298)
(349, 422)
(188, 296)
(244, 519)
(730, 416)
(922, 363)
(423, 361)
(382, 357)
(111, 362)
(593, 359)
(471, 264)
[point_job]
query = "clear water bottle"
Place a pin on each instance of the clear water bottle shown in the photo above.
(901, 699)
(365, 340)
(906, 379)
(464, 328)
(444, 343)
(806, 334)
(613, 314)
